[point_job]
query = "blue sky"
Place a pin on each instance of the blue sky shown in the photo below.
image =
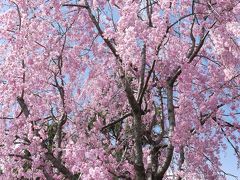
(229, 162)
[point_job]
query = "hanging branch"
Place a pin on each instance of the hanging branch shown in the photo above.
(19, 15)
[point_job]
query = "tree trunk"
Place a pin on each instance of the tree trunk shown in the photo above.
(138, 154)
(171, 119)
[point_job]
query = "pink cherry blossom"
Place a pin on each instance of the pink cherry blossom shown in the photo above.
(97, 89)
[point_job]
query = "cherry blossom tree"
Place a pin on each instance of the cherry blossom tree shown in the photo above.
(118, 89)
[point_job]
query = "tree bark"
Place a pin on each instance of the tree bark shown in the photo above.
(138, 154)
(171, 119)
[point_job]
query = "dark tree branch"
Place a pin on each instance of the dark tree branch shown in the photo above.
(149, 12)
(20, 156)
(23, 106)
(181, 161)
(142, 73)
(63, 120)
(100, 31)
(171, 119)
(47, 176)
(227, 138)
(162, 169)
(75, 5)
(146, 83)
(116, 121)
(58, 164)
(19, 15)
(195, 53)
(192, 38)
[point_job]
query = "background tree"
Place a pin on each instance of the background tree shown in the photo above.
(97, 89)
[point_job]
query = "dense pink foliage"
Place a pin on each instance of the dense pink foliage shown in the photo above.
(68, 69)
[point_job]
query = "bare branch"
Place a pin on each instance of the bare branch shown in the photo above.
(45, 173)
(20, 156)
(181, 161)
(192, 38)
(116, 121)
(19, 15)
(23, 106)
(100, 31)
(75, 5)
(142, 73)
(180, 19)
(149, 13)
(162, 170)
(146, 83)
(58, 164)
